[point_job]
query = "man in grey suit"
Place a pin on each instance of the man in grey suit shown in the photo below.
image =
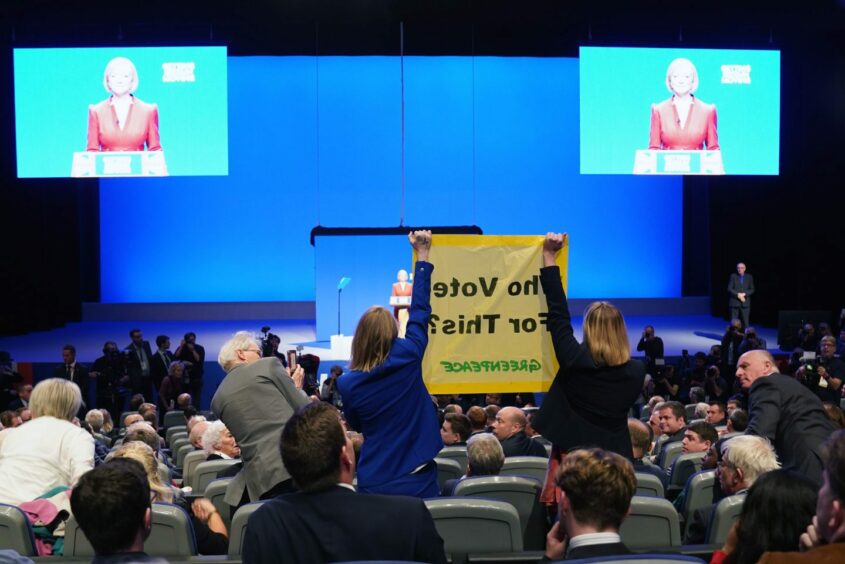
(784, 411)
(255, 400)
(740, 288)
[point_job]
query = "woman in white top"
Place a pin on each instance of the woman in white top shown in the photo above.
(49, 450)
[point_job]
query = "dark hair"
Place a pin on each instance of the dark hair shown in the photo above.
(460, 425)
(311, 443)
(133, 331)
(6, 417)
(190, 334)
(678, 411)
(778, 508)
(833, 455)
(109, 503)
(151, 417)
(161, 339)
(477, 418)
(336, 370)
(135, 402)
(70, 348)
(720, 405)
(705, 430)
(739, 420)
(190, 411)
(143, 434)
(599, 485)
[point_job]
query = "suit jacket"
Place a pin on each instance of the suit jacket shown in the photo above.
(79, 377)
(736, 286)
(828, 554)
(133, 363)
(596, 550)
(587, 405)
(255, 401)
(375, 401)
(793, 419)
(338, 525)
(698, 131)
(140, 128)
(159, 367)
(520, 445)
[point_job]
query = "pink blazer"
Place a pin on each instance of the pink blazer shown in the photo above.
(698, 131)
(141, 127)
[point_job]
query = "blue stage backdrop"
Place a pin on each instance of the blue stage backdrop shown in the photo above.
(317, 140)
(51, 117)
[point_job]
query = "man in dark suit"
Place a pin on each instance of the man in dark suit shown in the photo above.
(193, 355)
(160, 362)
(509, 428)
(596, 490)
(784, 411)
(138, 364)
(255, 400)
(24, 392)
(77, 373)
(484, 458)
(327, 521)
(740, 288)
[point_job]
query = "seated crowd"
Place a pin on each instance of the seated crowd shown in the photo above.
(713, 415)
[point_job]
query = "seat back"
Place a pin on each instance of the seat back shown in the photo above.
(685, 466)
(174, 418)
(215, 492)
(659, 444)
(206, 472)
(643, 558)
(521, 492)
(179, 455)
(172, 431)
(689, 411)
(189, 464)
(476, 525)
(727, 511)
(456, 453)
(652, 522)
(669, 453)
(699, 490)
(238, 528)
(15, 531)
(447, 469)
(178, 439)
(649, 484)
(531, 466)
(171, 534)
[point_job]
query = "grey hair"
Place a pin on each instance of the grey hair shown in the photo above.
(95, 419)
(754, 455)
(240, 341)
(211, 437)
(55, 397)
(485, 455)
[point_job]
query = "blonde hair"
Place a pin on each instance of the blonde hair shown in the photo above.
(114, 62)
(55, 397)
(142, 453)
(605, 335)
(373, 338)
(677, 62)
(108, 424)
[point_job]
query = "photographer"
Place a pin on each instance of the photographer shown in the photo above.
(110, 372)
(730, 347)
(653, 348)
(824, 374)
(751, 341)
(666, 383)
(715, 386)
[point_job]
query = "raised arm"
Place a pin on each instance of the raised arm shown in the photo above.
(559, 320)
(416, 333)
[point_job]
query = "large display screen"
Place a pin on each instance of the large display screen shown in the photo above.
(679, 111)
(127, 111)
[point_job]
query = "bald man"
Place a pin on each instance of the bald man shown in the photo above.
(509, 428)
(785, 412)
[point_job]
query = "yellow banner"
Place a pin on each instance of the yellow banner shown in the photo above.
(487, 331)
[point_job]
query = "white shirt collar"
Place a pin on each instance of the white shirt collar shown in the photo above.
(347, 486)
(590, 539)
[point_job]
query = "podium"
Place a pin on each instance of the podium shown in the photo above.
(653, 161)
(94, 164)
(400, 301)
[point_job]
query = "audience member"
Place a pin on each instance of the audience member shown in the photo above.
(786, 413)
(737, 422)
(136, 401)
(184, 401)
(778, 508)
(209, 529)
(455, 429)
(24, 393)
(10, 419)
(744, 459)
(477, 419)
(808, 340)
(652, 346)
(826, 379)
(751, 341)
(138, 355)
(132, 418)
(197, 431)
(485, 457)
(254, 400)
(453, 408)
(194, 420)
(160, 361)
(733, 404)
(666, 382)
(698, 438)
(700, 406)
(293, 527)
(172, 386)
(716, 413)
(329, 391)
(218, 443)
(493, 399)
(94, 418)
(672, 422)
(490, 411)
(509, 428)
(824, 540)
(730, 345)
(146, 407)
(385, 385)
(71, 370)
(596, 490)
(640, 445)
(109, 371)
(49, 451)
(108, 422)
(715, 387)
(193, 356)
(112, 506)
(24, 413)
(836, 415)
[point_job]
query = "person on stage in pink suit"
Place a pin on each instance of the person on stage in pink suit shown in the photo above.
(683, 122)
(122, 122)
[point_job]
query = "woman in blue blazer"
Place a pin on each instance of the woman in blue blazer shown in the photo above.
(384, 396)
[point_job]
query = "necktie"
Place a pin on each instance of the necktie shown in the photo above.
(69, 372)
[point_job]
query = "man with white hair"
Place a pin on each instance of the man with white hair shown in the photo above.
(255, 400)
(744, 459)
(786, 412)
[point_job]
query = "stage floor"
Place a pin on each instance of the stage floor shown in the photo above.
(691, 332)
